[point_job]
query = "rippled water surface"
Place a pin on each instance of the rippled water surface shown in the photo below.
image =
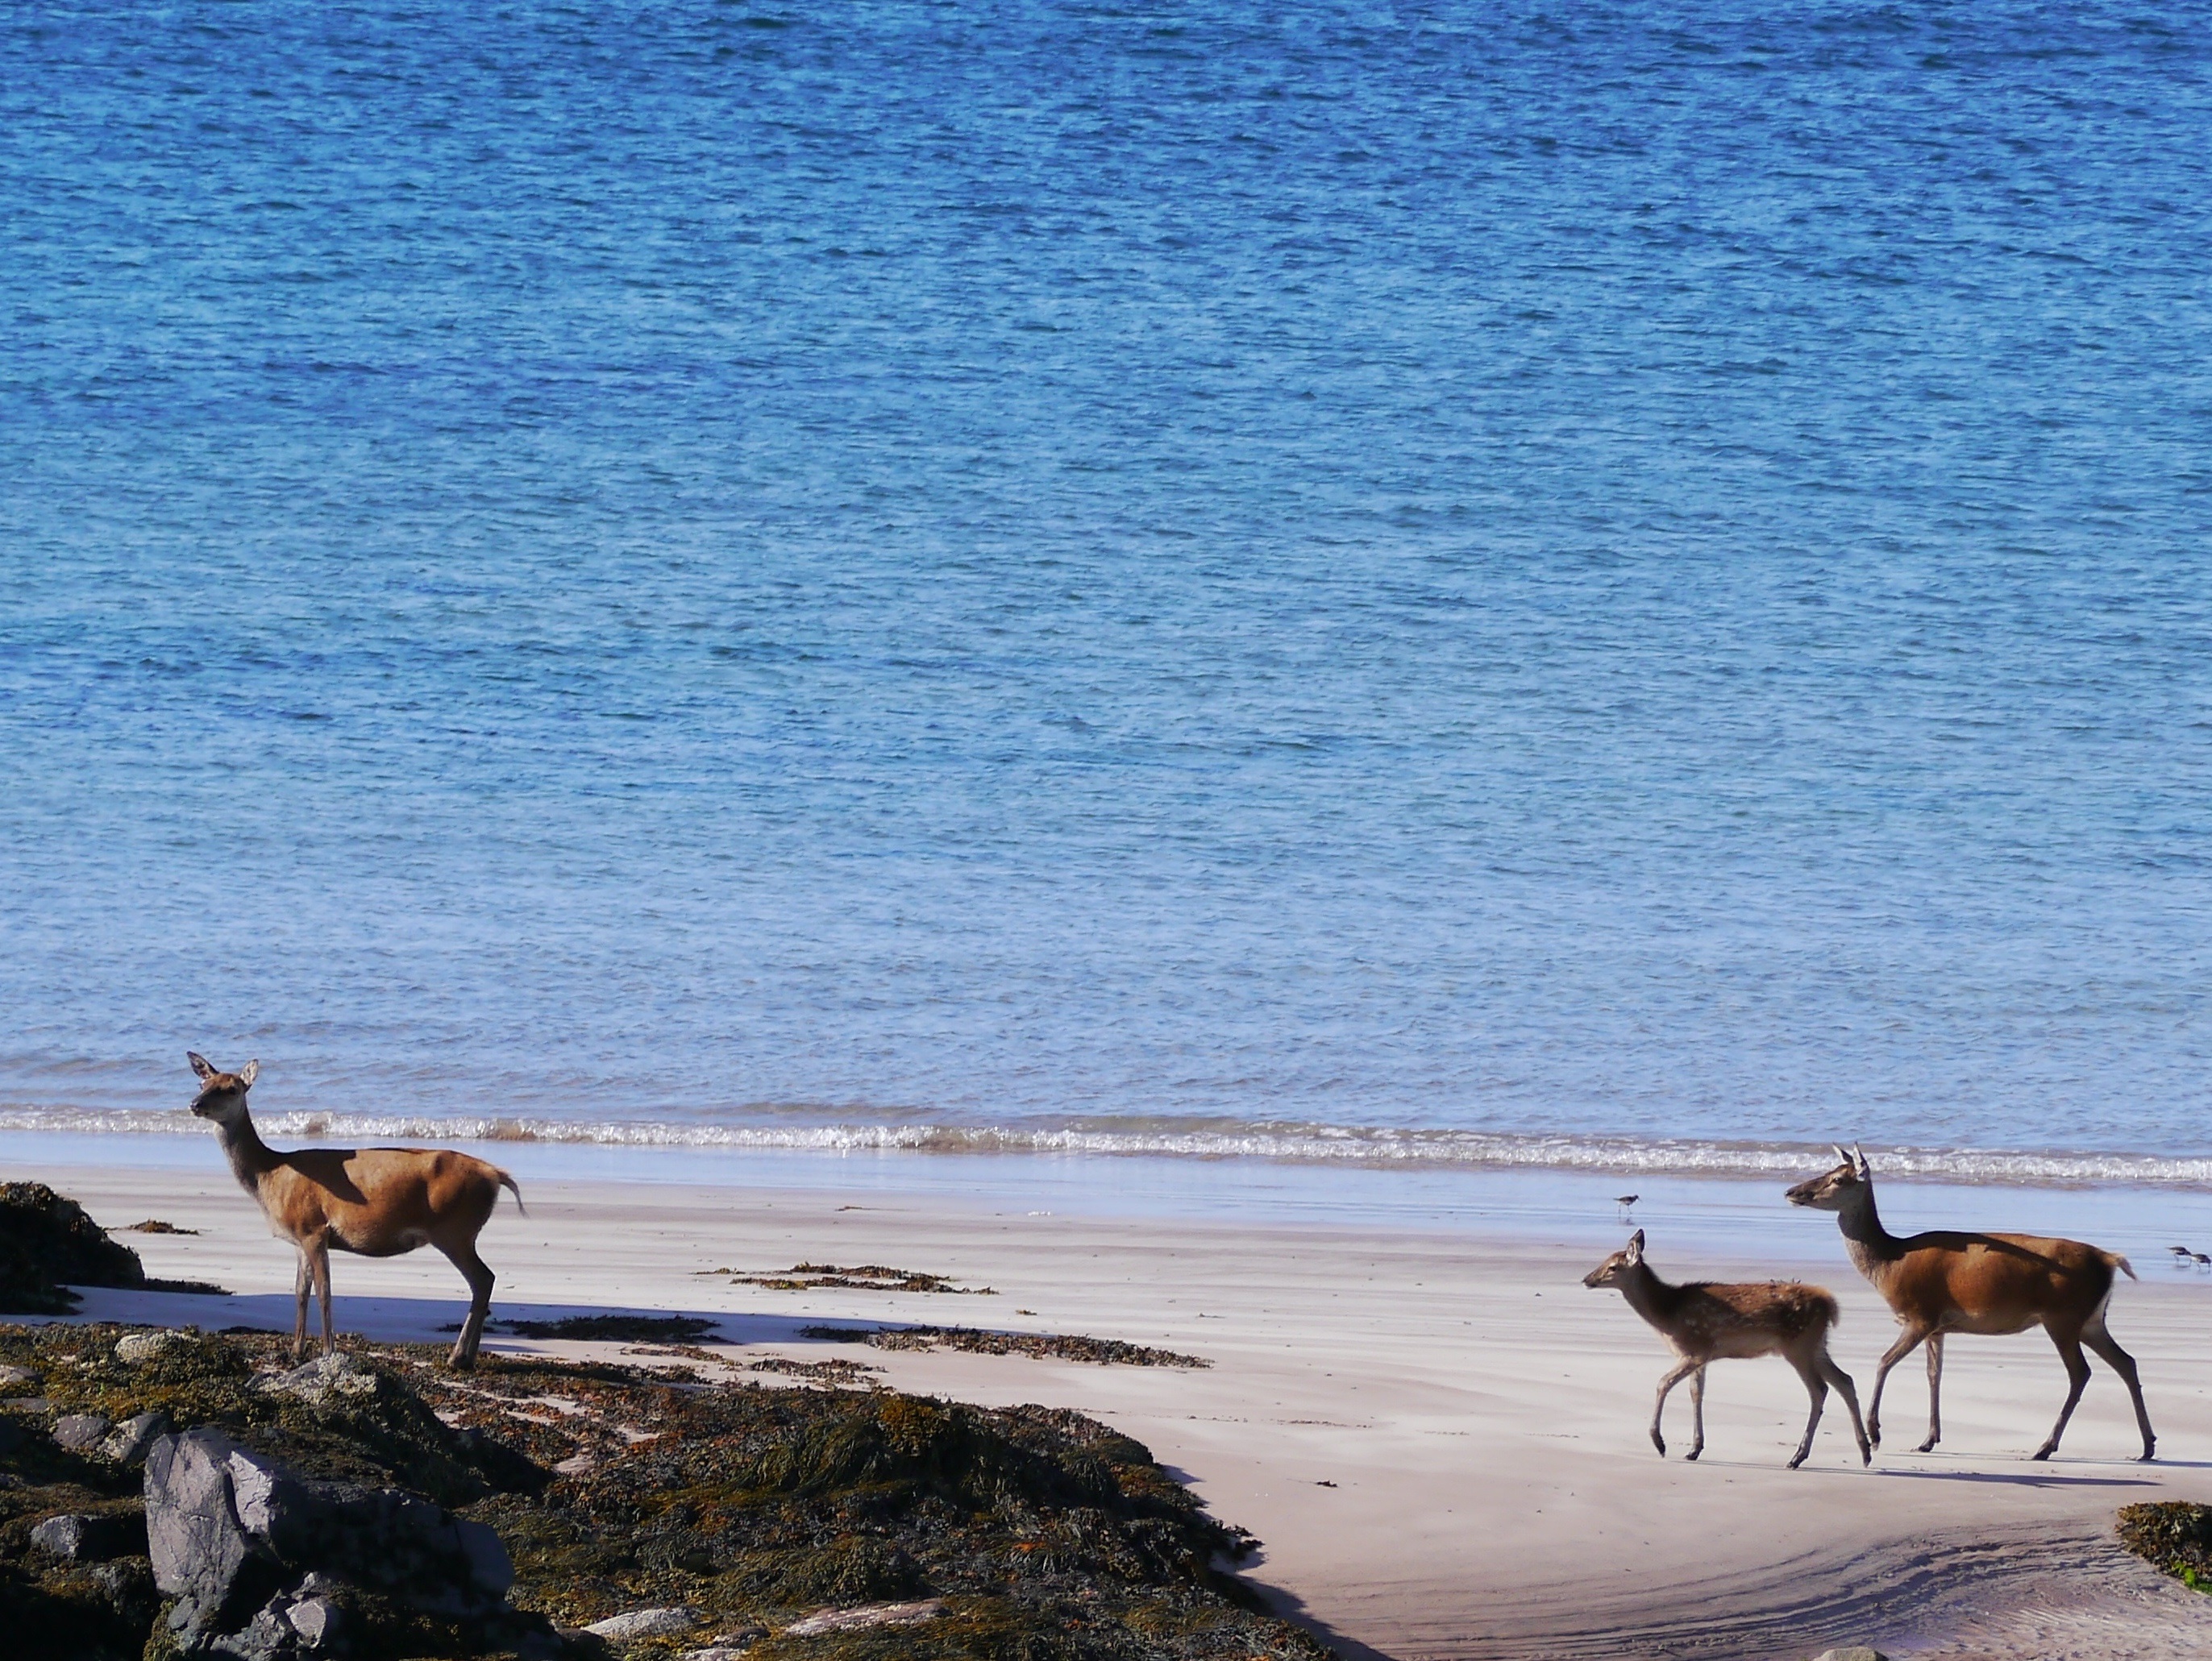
(1582, 576)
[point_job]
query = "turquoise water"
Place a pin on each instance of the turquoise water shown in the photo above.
(1621, 586)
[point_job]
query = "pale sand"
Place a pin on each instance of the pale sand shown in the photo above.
(1480, 1415)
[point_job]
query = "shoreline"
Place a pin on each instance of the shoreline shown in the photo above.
(1437, 1430)
(1742, 1218)
(1413, 1149)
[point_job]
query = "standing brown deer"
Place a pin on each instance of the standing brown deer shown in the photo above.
(1704, 1322)
(1944, 1281)
(376, 1201)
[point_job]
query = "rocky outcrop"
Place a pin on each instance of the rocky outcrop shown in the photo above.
(47, 1245)
(261, 1563)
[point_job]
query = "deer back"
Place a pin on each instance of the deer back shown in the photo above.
(1995, 1284)
(1748, 1318)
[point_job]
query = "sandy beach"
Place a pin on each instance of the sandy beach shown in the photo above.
(1439, 1434)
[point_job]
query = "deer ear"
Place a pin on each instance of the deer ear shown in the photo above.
(1859, 1163)
(1841, 1158)
(200, 1065)
(1635, 1253)
(248, 1073)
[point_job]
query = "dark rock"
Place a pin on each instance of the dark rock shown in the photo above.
(80, 1538)
(47, 1245)
(242, 1544)
(80, 1431)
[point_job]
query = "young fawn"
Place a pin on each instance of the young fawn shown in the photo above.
(376, 1202)
(1704, 1322)
(1946, 1281)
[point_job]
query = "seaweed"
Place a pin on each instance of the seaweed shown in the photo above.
(1044, 1346)
(642, 1328)
(857, 1277)
(2174, 1535)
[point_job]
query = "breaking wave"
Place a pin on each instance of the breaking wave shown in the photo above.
(1365, 1146)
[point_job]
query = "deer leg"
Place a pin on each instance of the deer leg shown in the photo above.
(2077, 1376)
(1697, 1413)
(2123, 1364)
(1817, 1388)
(1674, 1376)
(300, 1284)
(320, 1263)
(1890, 1357)
(1842, 1380)
(1934, 1392)
(480, 1279)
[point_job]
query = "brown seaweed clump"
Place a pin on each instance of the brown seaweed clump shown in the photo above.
(2174, 1536)
(856, 1277)
(1049, 1537)
(1043, 1346)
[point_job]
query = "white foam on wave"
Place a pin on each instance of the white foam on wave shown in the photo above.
(1366, 1146)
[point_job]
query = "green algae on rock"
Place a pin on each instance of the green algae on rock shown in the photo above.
(2174, 1536)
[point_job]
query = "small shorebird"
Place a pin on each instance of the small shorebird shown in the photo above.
(2203, 1261)
(1627, 1203)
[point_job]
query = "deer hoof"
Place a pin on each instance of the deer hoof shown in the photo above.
(1796, 1460)
(2044, 1452)
(1927, 1446)
(1691, 1454)
(1659, 1442)
(2149, 1453)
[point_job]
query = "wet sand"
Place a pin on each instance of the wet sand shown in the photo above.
(1439, 1434)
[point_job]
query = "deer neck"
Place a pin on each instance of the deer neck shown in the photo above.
(1873, 1248)
(251, 1158)
(1648, 1295)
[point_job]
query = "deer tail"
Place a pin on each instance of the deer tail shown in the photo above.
(2122, 1265)
(515, 1189)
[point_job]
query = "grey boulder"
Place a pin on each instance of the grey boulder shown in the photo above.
(643, 1623)
(252, 1552)
(127, 1445)
(78, 1537)
(80, 1432)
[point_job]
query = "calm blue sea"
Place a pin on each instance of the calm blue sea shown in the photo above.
(1616, 584)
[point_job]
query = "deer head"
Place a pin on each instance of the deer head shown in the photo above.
(222, 1096)
(1609, 1272)
(1834, 1190)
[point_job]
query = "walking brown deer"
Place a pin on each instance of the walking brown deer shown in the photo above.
(374, 1202)
(1705, 1322)
(1944, 1281)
